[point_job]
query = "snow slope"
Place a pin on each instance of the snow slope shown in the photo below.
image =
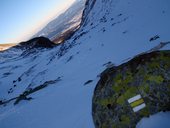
(111, 30)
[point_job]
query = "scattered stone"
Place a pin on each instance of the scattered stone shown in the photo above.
(7, 74)
(1, 102)
(22, 97)
(103, 19)
(19, 79)
(120, 14)
(103, 29)
(70, 58)
(25, 94)
(109, 64)
(88, 82)
(113, 24)
(154, 38)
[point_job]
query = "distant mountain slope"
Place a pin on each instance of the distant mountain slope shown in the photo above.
(54, 87)
(70, 19)
(6, 46)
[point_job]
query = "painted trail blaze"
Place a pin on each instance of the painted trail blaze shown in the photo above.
(137, 103)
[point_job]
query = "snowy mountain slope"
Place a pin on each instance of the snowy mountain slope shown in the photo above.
(111, 30)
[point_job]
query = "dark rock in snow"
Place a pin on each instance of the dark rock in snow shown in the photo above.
(147, 75)
(38, 42)
(154, 38)
(19, 79)
(88, 82)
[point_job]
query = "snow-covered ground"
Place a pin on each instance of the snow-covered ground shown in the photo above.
(159, 120)
(113, 30)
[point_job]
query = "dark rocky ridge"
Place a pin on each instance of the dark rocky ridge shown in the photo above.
(29, 47)
(148, 75)
(88, 7)
(38, 42)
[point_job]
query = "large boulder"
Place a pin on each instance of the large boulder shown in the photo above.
(136, 89)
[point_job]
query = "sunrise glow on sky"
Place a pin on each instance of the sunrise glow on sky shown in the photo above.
(21, 19)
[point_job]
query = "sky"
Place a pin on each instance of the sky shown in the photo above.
(20, 19)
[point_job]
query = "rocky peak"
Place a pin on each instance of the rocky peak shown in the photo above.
(38, 42)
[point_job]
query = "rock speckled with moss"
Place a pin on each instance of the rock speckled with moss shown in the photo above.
(148, 75)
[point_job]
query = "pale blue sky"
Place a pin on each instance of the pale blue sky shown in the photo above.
(20, 19)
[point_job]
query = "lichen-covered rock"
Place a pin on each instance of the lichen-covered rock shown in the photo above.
(147, 75)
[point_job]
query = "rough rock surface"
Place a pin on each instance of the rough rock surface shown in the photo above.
(148, 75)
